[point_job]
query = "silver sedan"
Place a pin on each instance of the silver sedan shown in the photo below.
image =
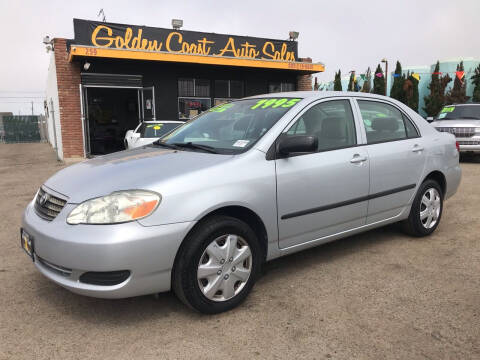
(200, 210)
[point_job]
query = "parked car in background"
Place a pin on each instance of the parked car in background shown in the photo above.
(463, 121)
(149, 131)
(200, 210)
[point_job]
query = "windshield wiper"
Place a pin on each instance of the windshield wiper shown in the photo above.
(191, 145)
(161, 143)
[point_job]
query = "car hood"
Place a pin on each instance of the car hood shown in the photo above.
(140, 168)
(457, 123)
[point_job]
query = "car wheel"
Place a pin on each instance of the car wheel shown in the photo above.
(426, 210)
(217, 265)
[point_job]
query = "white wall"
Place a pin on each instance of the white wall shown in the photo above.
(53, 118)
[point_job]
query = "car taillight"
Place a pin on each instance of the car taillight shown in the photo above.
(457, 146)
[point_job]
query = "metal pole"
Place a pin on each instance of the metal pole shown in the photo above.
(52, 110)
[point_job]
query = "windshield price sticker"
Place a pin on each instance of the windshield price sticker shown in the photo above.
(241, 143)
(448, 109)
(222, 107)
(274, 103)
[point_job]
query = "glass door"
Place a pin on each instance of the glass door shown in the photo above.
(147, 95)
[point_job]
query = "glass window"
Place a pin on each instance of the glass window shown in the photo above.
(274, 87)
(232, 127)
(156, 130)
(190, 107)
(452, 112)
(236, 89)
(202, 88)
(412, 131)
(288, 87)
(331, 121)
(383, 122)
(221, 89)
(186, 87)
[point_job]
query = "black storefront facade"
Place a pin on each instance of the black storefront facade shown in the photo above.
(126, 74)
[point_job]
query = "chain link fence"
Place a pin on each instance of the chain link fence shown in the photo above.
(22, 128)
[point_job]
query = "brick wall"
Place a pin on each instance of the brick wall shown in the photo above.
(304, 82)
(68, 80)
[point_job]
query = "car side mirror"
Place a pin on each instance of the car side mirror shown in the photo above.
(297, 144)
(129, 133)
(429, 119)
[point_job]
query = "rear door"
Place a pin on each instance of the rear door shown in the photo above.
(323, 193)
(397, 158)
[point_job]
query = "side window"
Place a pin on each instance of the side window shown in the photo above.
(412, 132)
(383, 122)
(331, 121)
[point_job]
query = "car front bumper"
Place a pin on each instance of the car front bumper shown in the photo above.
(64, 252)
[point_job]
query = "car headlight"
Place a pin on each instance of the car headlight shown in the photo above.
(118, 207)
(477, 130)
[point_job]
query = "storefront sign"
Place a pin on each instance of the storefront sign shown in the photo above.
(131, 37)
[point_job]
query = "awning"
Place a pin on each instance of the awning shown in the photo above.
(81, 51)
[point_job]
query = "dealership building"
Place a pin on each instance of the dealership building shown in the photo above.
(112, 76)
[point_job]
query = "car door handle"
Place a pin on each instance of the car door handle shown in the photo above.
(417, 148)
(358, 159)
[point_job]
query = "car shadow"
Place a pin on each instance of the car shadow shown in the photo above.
(332, 251)
(125, 312)
(470, 158)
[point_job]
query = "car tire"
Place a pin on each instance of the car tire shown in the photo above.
(217, 265)
(426, 210)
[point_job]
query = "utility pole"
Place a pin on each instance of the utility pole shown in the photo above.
(32, 108)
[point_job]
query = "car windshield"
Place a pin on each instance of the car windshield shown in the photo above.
(453, 112)
(156, 130)
(232, 127)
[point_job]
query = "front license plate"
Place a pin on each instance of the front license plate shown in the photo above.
(26, 242)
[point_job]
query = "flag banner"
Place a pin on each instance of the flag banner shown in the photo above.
(460, 74)
(396, 75)
(362, 76)
(437, 73)
(379, 75)
(416, 76)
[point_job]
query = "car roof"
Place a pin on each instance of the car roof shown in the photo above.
(312, 95)
(163, 121)
(469, 104)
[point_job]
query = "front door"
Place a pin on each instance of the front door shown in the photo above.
(323, 193)
(397, 158)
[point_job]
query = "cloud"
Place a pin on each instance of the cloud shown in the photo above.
(347, 35)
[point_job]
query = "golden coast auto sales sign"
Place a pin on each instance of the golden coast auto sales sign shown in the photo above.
(132, 37)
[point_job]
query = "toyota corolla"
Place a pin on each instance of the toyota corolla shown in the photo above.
(200, 210)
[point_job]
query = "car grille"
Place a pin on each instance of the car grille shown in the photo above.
(458, 131)
(48, 206)
(468, 142)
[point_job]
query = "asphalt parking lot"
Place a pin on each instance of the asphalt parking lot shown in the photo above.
(379, 295)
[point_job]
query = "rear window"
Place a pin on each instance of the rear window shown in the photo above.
(453, 112)
(156, 130)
